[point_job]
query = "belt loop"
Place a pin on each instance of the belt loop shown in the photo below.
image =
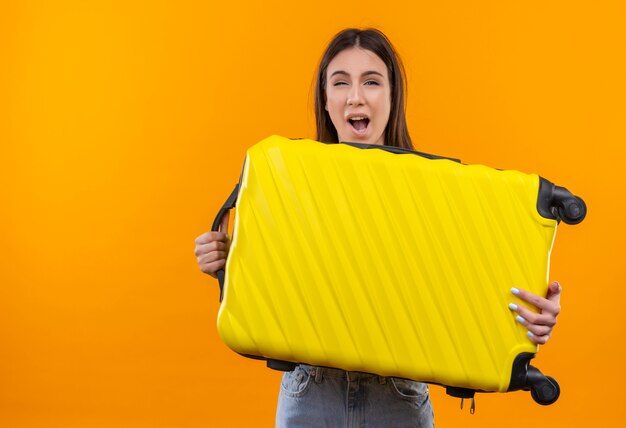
(382, 380)
(316, 373)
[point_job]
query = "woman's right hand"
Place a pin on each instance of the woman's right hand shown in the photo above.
(212, 248)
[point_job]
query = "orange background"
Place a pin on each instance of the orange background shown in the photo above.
(124, 126)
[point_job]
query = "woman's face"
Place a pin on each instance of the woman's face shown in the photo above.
(358, 96)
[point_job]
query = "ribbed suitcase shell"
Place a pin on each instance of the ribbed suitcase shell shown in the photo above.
(379, 262)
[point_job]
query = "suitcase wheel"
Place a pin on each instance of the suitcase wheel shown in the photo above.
(546, 391)
(572, 210)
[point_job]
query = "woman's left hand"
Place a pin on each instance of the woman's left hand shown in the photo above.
(539, 325)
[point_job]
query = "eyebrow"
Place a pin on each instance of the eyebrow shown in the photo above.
(366, 73)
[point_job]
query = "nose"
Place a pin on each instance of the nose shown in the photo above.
(355, 96)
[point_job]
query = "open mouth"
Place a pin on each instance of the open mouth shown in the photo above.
(359, 124)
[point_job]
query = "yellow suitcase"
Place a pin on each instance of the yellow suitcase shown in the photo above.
(387, 261)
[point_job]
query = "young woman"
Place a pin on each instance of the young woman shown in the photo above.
(360, 97)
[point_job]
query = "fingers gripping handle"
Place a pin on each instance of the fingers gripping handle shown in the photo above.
(229, 204)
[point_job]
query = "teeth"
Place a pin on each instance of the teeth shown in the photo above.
(358, 118)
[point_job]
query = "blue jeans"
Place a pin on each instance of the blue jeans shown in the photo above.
(323, 397)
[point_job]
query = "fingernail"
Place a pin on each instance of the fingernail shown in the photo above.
(520, 319)
(514, 290)
(512, 306)
(530, 334)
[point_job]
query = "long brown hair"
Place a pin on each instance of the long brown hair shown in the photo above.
(396, 132)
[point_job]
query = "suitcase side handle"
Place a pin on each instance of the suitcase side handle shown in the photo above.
(229, 204)
(558, 203)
